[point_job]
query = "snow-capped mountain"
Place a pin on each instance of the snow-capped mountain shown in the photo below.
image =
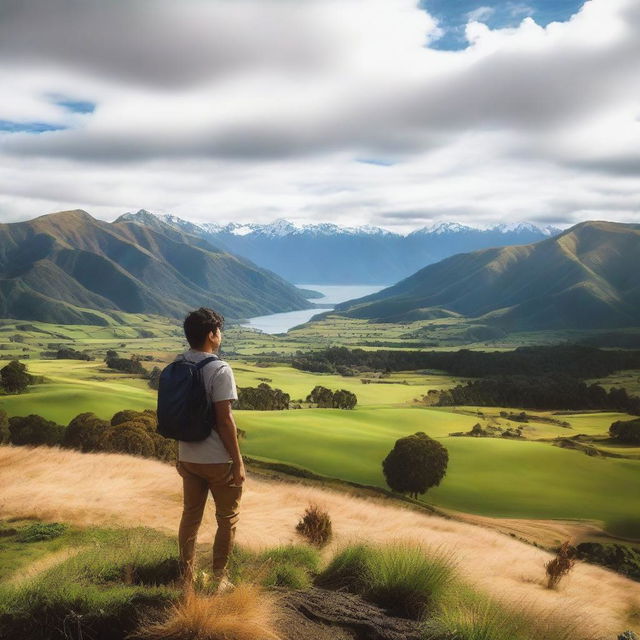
(326, 253)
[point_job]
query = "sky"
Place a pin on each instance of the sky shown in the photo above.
(393, 113)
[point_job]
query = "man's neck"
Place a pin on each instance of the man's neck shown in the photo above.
(203, 349)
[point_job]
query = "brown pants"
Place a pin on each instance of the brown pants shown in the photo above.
(198, 480)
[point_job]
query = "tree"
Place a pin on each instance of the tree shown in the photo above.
(343, 399)
(626, 431)
(321, 396)
(15, 378)
(84, 432)
(4, 427)
(154, 378)
(34, 429)
(416, 463)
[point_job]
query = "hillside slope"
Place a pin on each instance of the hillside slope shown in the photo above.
(134, 491)
(60, 267)
(585, 278)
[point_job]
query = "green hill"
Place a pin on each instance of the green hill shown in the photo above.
(585, 278)
(64, 266)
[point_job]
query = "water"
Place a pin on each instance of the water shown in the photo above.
(332, 295)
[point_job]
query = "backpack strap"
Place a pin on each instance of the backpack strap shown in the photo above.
(206, 361)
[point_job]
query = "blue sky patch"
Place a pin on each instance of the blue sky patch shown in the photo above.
(454, 14)
(10, 126)
(77, 106)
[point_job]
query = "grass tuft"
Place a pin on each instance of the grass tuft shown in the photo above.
(242, 614)
(406, 580)
(315, 525)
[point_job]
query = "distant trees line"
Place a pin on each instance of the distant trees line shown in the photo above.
(554, 392)
(578, 361)
(265, 398)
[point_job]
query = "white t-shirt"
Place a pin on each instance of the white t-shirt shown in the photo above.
(220, 385)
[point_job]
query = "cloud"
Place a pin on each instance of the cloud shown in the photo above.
(480, 14)
(255, 109)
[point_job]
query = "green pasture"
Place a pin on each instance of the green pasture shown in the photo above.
(489, 476)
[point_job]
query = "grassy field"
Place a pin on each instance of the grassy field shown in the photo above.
(490, 476)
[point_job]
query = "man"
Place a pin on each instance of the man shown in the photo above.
(213, 464)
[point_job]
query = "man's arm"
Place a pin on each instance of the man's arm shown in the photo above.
(228, 433)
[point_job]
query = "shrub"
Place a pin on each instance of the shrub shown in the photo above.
(145, 419)
(4, 427)
(34, 430)
(128, 439)
(41, 531)
(84, 432)
(561, 565)
(315, 525)
(406, 580)
(416, 463)
(626, 431)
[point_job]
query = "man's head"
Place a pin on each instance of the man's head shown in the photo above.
(202, 329)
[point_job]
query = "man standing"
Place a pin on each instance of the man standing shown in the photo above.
(213, 464)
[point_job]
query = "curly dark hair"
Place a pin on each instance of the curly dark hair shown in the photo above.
(199, 323)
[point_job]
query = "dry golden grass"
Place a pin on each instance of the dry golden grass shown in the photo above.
(99, 489)
(242, 614)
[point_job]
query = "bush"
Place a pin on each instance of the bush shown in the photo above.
(4, 427)
(626, 431)
(404, 579)
(39, 531)
(128, 439)
(416, 463)
(561, 565)
(85, 432)
(315, 525)
(34, 430)
(146, 419)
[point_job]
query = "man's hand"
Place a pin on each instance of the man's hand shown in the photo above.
(229, 435)
(239, 475)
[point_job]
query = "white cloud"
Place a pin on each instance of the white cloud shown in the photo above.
(257, 109)
(480, 14)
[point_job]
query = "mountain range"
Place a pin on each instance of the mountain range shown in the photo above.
(70, 268)
(584, 278)
(330, 254)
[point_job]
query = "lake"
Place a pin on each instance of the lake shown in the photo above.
(332, 294)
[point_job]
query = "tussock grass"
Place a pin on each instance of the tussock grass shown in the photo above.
(407, 580)
(242, 614)
(315, 525)
(466, 614)
(290, 566)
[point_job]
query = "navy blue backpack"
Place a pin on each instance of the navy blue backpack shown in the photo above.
(184, 410)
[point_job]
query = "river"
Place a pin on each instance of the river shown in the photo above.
(332, 294)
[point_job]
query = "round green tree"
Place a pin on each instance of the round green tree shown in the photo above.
(15, 378)
(415, 464)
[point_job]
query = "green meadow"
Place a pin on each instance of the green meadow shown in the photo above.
(529, 478)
